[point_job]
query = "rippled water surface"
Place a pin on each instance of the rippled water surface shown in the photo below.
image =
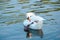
(12, 14)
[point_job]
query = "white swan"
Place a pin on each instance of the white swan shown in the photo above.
(33, 18)
(33, 22)
(37, 21)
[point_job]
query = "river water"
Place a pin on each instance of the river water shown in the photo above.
(12, 14)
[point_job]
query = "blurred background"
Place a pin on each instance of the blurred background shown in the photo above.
(12, 14)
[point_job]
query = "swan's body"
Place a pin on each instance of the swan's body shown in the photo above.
(35, 25)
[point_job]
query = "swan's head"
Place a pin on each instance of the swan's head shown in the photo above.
(30, 14)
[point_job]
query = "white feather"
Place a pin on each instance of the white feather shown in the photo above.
(33, 18)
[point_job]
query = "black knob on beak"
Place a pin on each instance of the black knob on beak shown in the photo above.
(27, 17)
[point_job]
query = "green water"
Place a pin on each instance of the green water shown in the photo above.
(12, 14)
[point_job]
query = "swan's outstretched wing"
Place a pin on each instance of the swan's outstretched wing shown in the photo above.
(39, 24)
(36, 18)
(39, 18)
